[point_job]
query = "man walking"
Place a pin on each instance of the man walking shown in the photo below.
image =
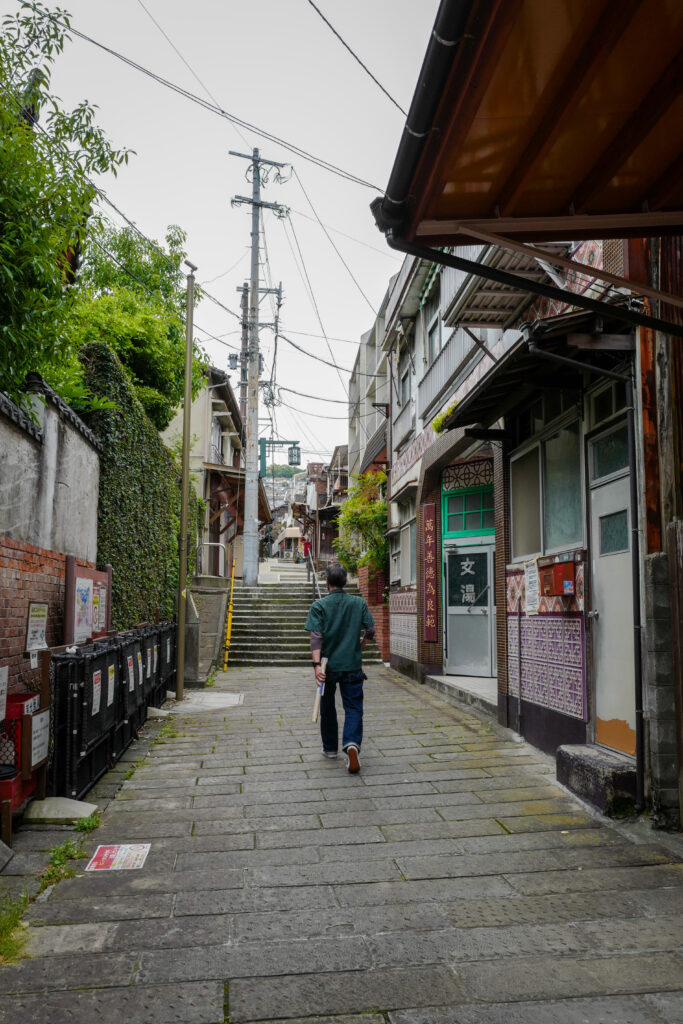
(335, 624)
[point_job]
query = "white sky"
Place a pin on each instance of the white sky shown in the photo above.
(276, 64)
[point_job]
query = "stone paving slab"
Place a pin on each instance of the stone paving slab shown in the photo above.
(452, 882)
(199, 1003)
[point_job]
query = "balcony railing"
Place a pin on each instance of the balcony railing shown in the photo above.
(453, 357)
(404, 423)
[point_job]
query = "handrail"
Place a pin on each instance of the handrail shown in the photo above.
(215, 544)
(316, 583)
(228, 624)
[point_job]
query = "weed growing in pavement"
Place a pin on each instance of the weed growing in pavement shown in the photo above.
(137, 763)
(167, 732)
(12, 936)
(90, 823)
(59, 865)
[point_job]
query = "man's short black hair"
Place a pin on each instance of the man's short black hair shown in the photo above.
(336, 575)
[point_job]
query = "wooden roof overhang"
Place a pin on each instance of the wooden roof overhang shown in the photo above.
(542, 121)
(227, 488)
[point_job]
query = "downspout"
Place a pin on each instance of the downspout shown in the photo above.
(635, 549)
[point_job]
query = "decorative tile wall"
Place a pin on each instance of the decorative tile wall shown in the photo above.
(403, 635)
(403, 602)
(546, 605)
(553, 661)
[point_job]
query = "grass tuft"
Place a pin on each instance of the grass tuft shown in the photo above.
(12, 935)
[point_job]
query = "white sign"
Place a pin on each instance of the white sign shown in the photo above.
(141, 669)
(3, 692)
(110, 685)
(156, 657)
(532, 586)
(168, 650)
(40, 736)
(96, 691)
(149, 662)
(34, 659)
(131, 674)
(37, 627)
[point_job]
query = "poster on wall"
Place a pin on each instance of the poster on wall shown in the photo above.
(531, 586)
(83, 613)
(430, 578)
(36, 627)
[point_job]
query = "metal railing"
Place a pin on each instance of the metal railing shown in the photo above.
(454, 356)
(404, 423)
(221, 560)
(311, 570)
(217, 456)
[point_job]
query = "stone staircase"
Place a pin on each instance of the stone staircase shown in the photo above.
(268, 621)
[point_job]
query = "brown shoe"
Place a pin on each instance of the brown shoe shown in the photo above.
(352, 759)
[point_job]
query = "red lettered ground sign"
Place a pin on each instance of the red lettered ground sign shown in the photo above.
(429, 556)
(119, 858)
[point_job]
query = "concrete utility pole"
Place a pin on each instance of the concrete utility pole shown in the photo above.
(244, 354)
(250, 536)
(185, 488)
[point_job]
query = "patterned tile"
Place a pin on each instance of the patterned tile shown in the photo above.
(403, 635)
(553, 661)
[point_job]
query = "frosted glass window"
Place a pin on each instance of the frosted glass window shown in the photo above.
(562, 511)
(610, 453)
(525, 504)
(614, 533)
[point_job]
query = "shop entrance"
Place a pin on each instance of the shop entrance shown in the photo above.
(470, 611)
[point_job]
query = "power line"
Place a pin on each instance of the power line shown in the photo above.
(215, 108)
(379, 376)
(355, 56)
(308, 334)
(382, 252)
(329, 239)
(187, 65)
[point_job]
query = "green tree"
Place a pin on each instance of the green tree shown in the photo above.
(47, 157)
(138, 311)
(363, 524)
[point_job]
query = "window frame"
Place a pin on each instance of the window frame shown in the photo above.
(538, 441)
(463, 491)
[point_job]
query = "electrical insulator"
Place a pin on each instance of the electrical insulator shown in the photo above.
(232, 360)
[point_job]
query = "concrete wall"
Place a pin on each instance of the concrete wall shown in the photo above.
(49, 480)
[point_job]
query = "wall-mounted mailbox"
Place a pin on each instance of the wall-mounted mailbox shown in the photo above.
(557, 580)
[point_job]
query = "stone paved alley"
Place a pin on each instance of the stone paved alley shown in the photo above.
(453, 881)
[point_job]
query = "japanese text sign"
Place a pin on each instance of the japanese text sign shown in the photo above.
(430, 577)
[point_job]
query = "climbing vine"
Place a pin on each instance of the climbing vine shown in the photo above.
(139, 500)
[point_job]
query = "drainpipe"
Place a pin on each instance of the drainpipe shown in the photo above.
(635, 549)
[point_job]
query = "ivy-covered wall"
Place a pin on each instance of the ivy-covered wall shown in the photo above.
(139, 503)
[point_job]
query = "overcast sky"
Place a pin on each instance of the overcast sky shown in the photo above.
(275, 64)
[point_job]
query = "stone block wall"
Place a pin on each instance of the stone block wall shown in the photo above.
(658, 691)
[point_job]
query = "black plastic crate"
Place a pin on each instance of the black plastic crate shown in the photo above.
(167, 643)
(149, 641)
(64, 698)
(97, 713)
(131, 671)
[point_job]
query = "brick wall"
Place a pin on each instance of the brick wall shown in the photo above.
(28, 573)
(372, 586)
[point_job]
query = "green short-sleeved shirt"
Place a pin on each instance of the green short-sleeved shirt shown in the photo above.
(339, 617)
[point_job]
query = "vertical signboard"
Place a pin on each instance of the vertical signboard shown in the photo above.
(429, 561)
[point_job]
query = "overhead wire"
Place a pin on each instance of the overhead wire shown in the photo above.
(330, 240)
(226, 115)
(355, 56)
(188, 66)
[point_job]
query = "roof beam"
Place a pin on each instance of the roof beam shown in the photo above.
(658, 193)
(638, 126)
(563, 92)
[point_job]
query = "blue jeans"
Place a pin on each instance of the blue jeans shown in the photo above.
(351, 690)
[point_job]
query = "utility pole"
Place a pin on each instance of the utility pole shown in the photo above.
(244, 354)
(185, 489)
(250, 536)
